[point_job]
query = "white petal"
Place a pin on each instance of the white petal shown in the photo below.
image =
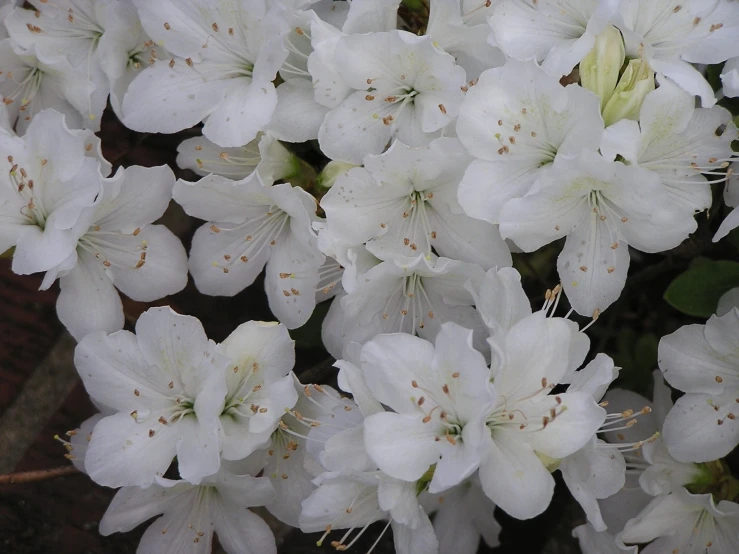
(164, 271)
(134, 197)
(240, 530)
(164, 99)
(266, 344)
(88, 300)
(696, 431)
(246, 110)
(593, 273)
(124, 452)
(514, 478)
(391, 363)
(402, 445)
(131, 506)
(690, 363)
(297, 116)
(688, 77)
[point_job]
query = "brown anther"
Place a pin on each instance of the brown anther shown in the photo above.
(583, 268)
(215, 229)
(450, 439)
(421, 401)
(719, 379)
(188, 61)
(225, 270)
(426, 419)
(624, 219)
(171, 384)
(614, 246)
(442, 109)
(544, 382)
(611, 269)
(503, 150)
(455, 374)
(545, 422)
(391, 99)
(403, 312)
(445, 388)
(231, 31)
(134, 414)
(244, 259)
(262, 410)
(167, 26)
(731, 416)
(369, 98)
(151, 433)
(162, 420)
(523, 111)
(296, 292)
(387, 120)
(715, 27)
(512, 140)
(431, 315)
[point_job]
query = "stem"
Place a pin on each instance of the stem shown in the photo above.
(38, 475)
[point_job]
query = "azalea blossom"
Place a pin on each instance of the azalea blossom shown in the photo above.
(673, 34)
(174, 392)
(220, 72)
(401, 87)
(251, 225)
(601, 207)
(701, 361)
(49, 181)
(32, 81)
(692, 523)
(553, 33)
(515, 121)
(300, 111)
(352, 493)
(523, 422)
(402, 295)
(190, 514)
(436, 391)
(264, 154)
(405, 201)
(460, 28)
(677, 141)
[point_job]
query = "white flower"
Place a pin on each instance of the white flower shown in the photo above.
(516, 120)
(48, 182)
(459, 28)
(730, 78)
(120, 249)
(174, 392)
(686, 523)
(260, 386)
(557, 34)
(601, 207)
(225, 56)
(677, 141)
(436, 391)
(524, 423)
(191, 513)
(124, 51)
(264, 154)
(463, 515)
(672, 34)
(166, 385)
(352, 493)
(85, 32)
(300, 112)
(405, 201)
(403, 87)
(290, 467)
(78, 441)
(250, 225)
(701, 360)
(32, 81)
(403, 295)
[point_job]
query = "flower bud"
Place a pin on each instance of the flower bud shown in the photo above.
(636, 82)
(332, 171)
(599, 69)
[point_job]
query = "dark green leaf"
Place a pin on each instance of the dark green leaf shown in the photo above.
(697, 291)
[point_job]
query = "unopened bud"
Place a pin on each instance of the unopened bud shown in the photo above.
(636, 82)
(332, 171)
(599, 69)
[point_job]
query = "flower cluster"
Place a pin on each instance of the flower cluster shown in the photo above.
(444, 148)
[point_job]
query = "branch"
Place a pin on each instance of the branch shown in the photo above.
(38, 475)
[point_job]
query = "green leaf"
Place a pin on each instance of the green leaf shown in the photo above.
(414, 5)
(697, 291)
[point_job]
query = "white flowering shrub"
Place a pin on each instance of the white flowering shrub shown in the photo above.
(494, 196)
